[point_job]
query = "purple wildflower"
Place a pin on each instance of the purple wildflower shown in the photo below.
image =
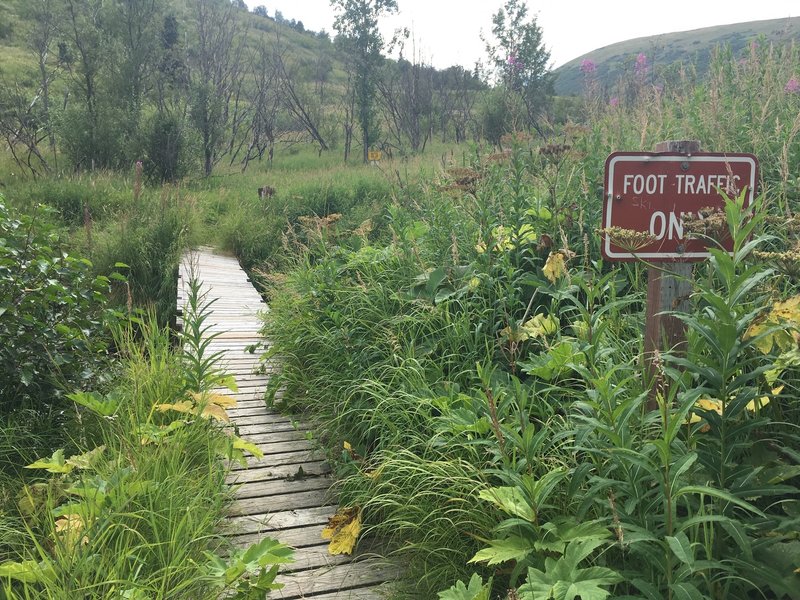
(792, 86)
(640, 67)
(614, 101)
(588, 66)
(514, 62)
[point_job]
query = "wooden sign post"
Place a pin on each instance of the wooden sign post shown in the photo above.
(647, 197)
(668, 289)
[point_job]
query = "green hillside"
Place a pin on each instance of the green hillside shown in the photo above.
(695, 46)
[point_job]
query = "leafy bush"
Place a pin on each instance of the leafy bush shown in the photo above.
(53, 312)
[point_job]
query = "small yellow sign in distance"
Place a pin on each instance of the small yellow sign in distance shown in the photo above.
(374, 155)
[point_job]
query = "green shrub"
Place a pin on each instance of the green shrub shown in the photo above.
(53, 313)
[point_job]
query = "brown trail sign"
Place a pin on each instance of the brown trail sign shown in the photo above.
(650, 193)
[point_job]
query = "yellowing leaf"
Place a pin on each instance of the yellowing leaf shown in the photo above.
(69, 528)
(754, 405)
(710, 404)
(222, 400)
(526, 234)
(786, 313)
(374, 474)
(514, 334)
(216, 412)
(540, 326)
(555, 267)
(342, 530)
(182, 407)
(510, 500)
(209, 410)
(705, 404)
(87, 460)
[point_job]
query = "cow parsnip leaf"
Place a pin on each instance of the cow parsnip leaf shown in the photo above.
(186, 407)
(54, 464)
(342, 530)
(540, 326)
(215, 412)
(87, 460)
(785, 313)
(247, 446)
(475, 589)
(222, 400)
(510, 500)
(500, 551)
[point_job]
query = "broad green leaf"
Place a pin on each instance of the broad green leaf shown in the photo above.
(54, 464)
(268, 552)
(500, 551)
(104, 406)
(510, 500)
(586, 584)
(27, 571)
(247, 446)
(87, 460)
(476, 589)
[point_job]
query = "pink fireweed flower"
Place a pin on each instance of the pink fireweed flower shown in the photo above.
(792, 86)
(514, 62)
(640, 67)
(614, 101)
(588, 66)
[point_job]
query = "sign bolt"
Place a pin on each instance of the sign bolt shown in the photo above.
(685, 166)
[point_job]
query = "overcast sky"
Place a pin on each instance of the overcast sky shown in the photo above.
(448, 31)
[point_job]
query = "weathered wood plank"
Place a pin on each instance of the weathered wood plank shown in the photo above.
(283, 458)
(266, 473)
(339, 577)
(290, 501)
(285, 494)
(275, 487)
(287, 519)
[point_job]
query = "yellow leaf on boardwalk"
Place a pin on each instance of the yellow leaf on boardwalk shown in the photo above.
(219, 399)
(555, 267)
(342, 530)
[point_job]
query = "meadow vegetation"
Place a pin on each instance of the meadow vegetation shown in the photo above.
(484, 366)
(445, 320)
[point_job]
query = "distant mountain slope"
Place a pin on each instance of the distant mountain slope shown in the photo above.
(693, 46)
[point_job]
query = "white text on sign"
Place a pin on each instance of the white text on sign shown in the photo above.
(684, 183)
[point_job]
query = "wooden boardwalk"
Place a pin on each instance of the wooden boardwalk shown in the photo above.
(286, 494)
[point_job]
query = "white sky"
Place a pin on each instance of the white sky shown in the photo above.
(448, 31)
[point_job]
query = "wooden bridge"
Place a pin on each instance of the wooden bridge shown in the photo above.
(286, 495)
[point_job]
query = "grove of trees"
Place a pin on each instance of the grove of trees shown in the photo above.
(186, 86)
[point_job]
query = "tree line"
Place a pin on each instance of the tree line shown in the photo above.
(183, 86)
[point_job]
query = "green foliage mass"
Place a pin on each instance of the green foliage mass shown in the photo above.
(485, 366)
(53, 312)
